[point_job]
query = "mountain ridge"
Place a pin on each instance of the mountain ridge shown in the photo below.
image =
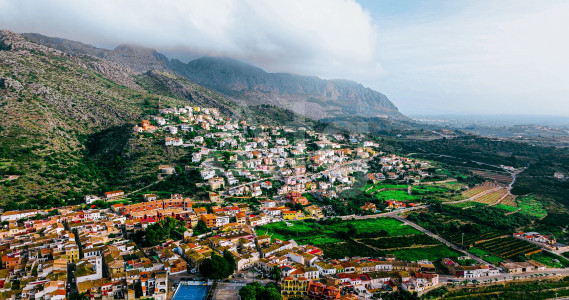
(247, 84)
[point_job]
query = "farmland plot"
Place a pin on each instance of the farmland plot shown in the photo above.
(479, 189)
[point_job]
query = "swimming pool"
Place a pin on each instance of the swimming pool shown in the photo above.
(191, 292)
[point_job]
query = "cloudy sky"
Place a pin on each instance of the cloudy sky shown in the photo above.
(428, 57)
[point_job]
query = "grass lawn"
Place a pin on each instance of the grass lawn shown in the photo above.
(531, 206)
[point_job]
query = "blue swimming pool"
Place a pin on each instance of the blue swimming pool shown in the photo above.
(191, 292)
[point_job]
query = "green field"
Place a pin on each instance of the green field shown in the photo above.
(329, 236)
(531, 206)
(551, 260)
(383, 186)
(306, 232)
(485, 255)
(347, 249)
(468, 204)
(396, 195)
(428, 189)
(431, 253)
(507, 207)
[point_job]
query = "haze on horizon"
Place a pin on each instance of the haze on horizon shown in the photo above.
(435, 57)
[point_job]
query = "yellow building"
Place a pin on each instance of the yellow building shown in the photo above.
(294, 287)
(289, 215)
(72, 254)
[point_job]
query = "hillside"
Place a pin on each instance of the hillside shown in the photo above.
(67, 125)
(55, 105)
(246, 84)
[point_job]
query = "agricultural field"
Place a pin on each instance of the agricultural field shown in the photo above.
(396, 195)
(501, 177)
(531, 206)
(551, 260)
(428, 189)
(471, 239)
(508, 247)
(431, 253)
(347, 249)
(492, 197)
(479, 189)
(448, 191)
(467, 204)
(555, 288)
(507, 207)
(374, 188)
(373, 226)
(397, 242)
(510, 200)
(318, 234)
(493, 259)
(410, 247)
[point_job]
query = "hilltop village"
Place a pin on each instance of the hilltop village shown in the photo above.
(262, 182)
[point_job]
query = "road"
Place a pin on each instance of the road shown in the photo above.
(440, 239)
(381, 215)
(547, 273)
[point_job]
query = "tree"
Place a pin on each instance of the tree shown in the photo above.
(167, 228)
(77, 296)
(255, 290)
(352, 230)
(230, 260)
(216, 267)
(249, 292)
(276, 273)
(201, 228)
(137, 289)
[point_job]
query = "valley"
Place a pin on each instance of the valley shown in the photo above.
(132, 176)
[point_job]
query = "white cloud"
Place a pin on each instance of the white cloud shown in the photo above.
(492, 57)
(330, 38)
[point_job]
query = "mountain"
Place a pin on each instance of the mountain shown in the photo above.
(67, 119)
(136, 58)
(310, 96)
(246, 84)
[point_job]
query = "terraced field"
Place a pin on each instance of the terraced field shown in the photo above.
(471, 238)
(509, 200)
(479, 189)
(492, 198)
(508, 247)
(501, 177)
